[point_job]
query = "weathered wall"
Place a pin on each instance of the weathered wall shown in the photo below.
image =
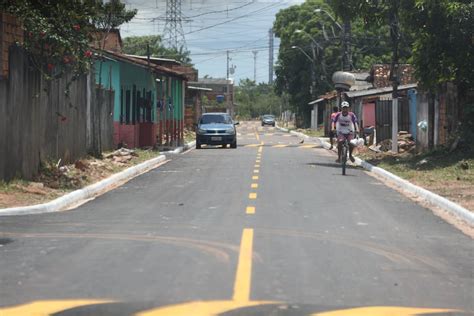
(10, 32)
(38, 121)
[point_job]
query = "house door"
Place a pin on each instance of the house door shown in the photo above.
(383, 119)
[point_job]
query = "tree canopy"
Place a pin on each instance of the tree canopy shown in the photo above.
(434, 36)
(255, 100)
(302, 30)
(58, 33)
(137, 45)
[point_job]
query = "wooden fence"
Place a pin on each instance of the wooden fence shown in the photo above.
(39, 122)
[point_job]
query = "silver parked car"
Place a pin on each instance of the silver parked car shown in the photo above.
(268, 119)
(216, 129)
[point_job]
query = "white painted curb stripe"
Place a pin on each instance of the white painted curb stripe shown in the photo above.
(428, 196)
(88, 192)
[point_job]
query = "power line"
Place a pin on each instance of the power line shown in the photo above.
(236, 18)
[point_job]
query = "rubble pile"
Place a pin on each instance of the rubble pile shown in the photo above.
(406, 143)
(122, 156)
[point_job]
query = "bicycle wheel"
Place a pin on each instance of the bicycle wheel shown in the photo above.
(344, 158)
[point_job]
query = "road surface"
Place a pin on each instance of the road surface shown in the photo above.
(269, 228)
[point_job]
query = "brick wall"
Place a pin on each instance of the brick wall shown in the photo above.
(10, 32)
(129, 135)
(108, 41)
(381, 74)
(190, 73)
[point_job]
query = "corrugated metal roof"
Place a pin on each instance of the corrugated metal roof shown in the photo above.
(155, 59)
(220, 81)
(316, 101)
(144, 64)
(365, 93)
(199, 88)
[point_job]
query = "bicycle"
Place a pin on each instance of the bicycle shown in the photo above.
(344, 150)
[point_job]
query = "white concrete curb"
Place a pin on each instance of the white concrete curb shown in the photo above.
(292, 132)
(76, 197)
(181, 149)
(428, 196)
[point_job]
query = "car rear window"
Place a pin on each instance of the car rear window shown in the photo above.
(216, 118)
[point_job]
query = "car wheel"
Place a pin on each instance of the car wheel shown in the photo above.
(263, 124)
(198, 144)
(234, 144)
(224, 145)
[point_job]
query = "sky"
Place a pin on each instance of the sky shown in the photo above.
(212, 27)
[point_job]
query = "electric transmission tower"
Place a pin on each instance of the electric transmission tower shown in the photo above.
(173, 34)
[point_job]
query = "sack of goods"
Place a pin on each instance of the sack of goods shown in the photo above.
(357, 142)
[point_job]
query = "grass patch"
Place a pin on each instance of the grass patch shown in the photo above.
(449, 174)
(53, 182)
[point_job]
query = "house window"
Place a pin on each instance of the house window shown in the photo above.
(127, 106)
(121, 107)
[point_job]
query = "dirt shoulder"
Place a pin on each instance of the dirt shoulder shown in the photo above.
(449, 174)
(56, 180)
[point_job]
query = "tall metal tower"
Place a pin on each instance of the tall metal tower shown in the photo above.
(173, 34)
(270, 57)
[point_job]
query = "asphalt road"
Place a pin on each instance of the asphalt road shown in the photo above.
(269, 228)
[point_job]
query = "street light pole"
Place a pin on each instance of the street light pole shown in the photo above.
(345, 40)
(313, 71)
(319, 47)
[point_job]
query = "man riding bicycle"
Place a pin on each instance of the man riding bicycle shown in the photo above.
(345, 123)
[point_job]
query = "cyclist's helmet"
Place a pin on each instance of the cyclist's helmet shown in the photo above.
(344, 104)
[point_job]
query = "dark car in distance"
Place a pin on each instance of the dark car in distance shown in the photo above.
(268, 119)
(216, 129)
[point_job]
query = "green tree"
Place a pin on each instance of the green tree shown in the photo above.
(137, 45)
(58, 32)
(294, 68)
(255, 100)
(443, 49)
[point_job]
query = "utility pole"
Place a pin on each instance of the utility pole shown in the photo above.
(270, 57)
(346, 46)
(255, 52)
(227, 95)
(395, 38)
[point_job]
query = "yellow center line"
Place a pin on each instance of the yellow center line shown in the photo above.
(256, 135)
(256, 171)
(256, 166)
(250, 210)
(254, 177)
(252, 196)
(47, 307)
(243, 276)
(382, 311)
(254, 185)
(257, 161)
